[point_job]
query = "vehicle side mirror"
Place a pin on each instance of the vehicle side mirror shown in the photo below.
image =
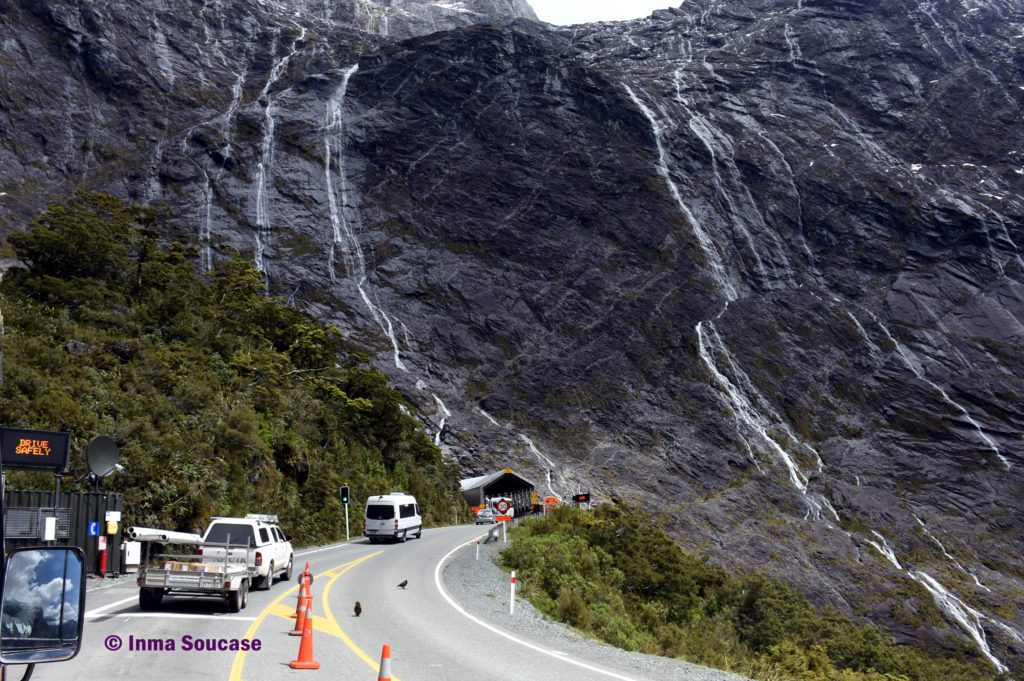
(287, 537)
(43, 605)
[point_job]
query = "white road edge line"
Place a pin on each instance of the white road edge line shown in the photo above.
(108, 606)
(172, 615)
(550, 653)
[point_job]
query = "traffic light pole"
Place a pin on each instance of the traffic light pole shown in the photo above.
(343, 496)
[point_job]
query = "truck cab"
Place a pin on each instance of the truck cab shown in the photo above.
(270, 553)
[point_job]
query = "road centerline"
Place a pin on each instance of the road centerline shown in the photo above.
(340, 632)
(239, 661)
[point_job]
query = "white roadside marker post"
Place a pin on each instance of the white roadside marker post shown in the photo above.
(512, 599)
(478, 549)
(504, 533)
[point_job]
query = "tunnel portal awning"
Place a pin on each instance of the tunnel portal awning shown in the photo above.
(503, 483)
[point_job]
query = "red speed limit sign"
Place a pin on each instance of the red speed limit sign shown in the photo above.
(502, 505)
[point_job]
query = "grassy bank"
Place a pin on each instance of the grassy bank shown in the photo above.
(614, 575)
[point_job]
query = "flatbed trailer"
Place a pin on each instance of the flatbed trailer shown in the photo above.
(221, 571)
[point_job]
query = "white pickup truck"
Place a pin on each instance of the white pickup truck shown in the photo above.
(235, 555)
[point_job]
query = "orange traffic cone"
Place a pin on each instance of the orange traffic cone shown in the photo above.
(306, 660)
(298, 602)
(303, 612)
(306, 580)
(385, 664)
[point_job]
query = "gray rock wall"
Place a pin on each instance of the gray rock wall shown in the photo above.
(753, 265)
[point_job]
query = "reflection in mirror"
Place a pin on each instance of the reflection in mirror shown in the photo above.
(40, 620)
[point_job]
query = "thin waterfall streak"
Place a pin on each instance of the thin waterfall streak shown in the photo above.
(549, 467)
(722, 151)
(206, 231)
(384, 322)
(489, 417)
(964, 615)
(873, 350)
(967, 618)
(947, 555)
(207, 228)
(343, 233)
(912, 363)
(445, 415)
(794, 46)
(742, 407)
(699, 127)
(707, 246)
(265, 166)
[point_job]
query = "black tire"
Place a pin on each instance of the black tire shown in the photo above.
(288, 571)
(402, 537)
(373, 540)
(235, 600)
(245, 593)
(268, 581)
(419, 532)
(150, 599)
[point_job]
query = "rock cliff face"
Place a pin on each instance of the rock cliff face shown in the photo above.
(752, 264)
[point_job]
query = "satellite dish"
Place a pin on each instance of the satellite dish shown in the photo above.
(102, 455)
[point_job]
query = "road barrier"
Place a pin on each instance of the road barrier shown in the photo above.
(306, 660)
(385, 664)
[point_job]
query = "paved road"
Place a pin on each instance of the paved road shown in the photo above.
(430, 639)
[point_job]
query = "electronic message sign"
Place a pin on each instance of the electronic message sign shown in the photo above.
(34, 449)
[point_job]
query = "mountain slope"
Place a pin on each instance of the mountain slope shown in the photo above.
(754, 265)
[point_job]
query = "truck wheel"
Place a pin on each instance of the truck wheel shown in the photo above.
(288, 572)
(245, 593)
(402, 538)
(235, 600)
(149, 599)
(268, 581)
(419, 532)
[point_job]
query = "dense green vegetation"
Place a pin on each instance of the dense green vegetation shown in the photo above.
(614, 575)
(222, 399)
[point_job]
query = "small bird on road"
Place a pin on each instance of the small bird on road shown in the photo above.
(405, 582)
(358, 609)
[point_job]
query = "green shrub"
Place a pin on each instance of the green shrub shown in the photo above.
(223, 400)
(615, 575)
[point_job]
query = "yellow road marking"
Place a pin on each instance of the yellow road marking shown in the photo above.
(343, 636)
(277, 608)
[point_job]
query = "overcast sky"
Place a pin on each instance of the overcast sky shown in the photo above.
(566, 12)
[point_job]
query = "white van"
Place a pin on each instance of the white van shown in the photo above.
(392, 516)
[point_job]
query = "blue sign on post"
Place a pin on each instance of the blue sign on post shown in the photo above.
(94, 529)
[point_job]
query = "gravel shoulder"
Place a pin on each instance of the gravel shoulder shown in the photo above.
(482, 588)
